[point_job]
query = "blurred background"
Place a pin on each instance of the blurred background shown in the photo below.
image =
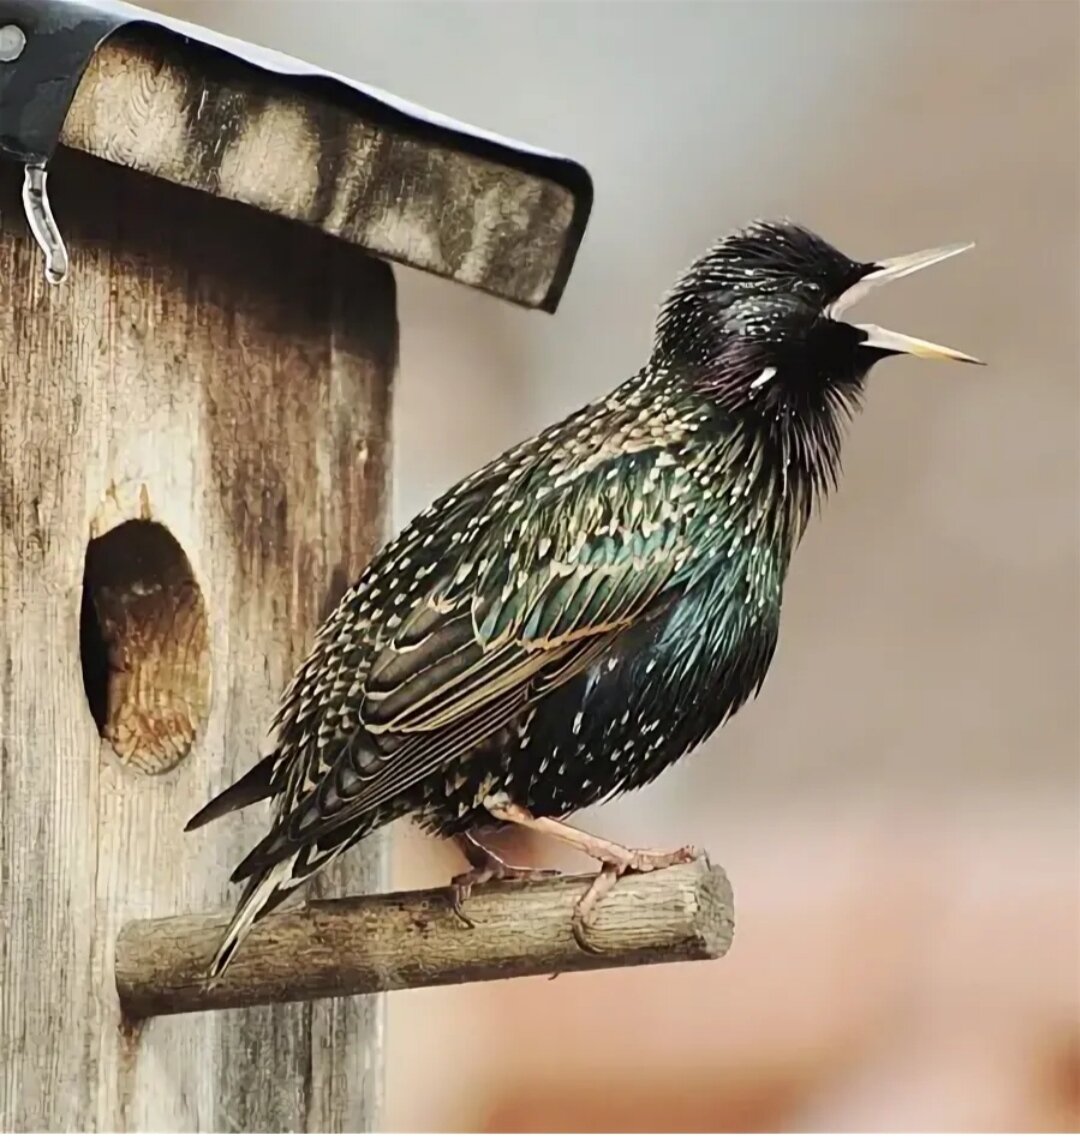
(899, 811)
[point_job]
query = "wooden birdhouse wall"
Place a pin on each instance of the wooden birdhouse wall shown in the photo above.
(193, 464)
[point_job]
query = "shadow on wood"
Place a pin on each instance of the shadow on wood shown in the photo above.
(361, 945)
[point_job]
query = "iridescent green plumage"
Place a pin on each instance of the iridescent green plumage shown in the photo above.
(565, 623)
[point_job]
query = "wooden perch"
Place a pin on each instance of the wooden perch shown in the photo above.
(361, 945)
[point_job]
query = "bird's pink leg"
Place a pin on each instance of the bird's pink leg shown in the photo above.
(485, 866)
(616, 860)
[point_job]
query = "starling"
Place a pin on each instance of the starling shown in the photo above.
(568, 621)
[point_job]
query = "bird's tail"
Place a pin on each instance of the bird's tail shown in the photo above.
(256, 785)
(264, 892)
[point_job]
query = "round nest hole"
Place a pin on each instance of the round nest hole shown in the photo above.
(145, 645)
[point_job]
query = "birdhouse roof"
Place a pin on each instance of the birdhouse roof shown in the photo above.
(178, 102)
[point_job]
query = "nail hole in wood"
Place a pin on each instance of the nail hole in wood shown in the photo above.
(145, 645)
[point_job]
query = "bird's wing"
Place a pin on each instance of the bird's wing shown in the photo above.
(573, 556)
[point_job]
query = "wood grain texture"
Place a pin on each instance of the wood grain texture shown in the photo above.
(228, 373)
(218, 125)
(413, 939)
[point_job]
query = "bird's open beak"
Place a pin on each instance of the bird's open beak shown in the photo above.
(878, 338)
(889, 270)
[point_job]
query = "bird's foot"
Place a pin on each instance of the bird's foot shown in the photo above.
(486, 866)
(615, 860)
(625, 861)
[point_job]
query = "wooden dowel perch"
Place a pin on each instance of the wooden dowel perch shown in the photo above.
(360, 945)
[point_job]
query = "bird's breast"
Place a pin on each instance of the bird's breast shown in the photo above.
(661, 689)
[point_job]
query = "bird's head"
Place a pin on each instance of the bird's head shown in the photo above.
(760, 323)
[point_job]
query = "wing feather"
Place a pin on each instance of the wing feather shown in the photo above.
(533, 601)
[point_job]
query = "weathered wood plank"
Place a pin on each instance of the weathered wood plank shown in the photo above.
(227, 373)
(211, 122)
(413, 939)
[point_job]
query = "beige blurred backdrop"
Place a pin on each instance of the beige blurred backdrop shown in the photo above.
(900, 810)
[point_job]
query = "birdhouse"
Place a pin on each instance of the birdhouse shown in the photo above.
(198, 340)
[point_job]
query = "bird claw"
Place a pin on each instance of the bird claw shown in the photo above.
(639, 860)
(581, 938)
(584, 908)
(459, 893)
(493, 868)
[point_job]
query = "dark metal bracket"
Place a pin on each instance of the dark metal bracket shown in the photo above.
(38, 80)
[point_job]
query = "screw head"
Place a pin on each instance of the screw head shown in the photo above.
(12, 42)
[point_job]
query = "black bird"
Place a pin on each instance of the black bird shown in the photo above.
(565, 623)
